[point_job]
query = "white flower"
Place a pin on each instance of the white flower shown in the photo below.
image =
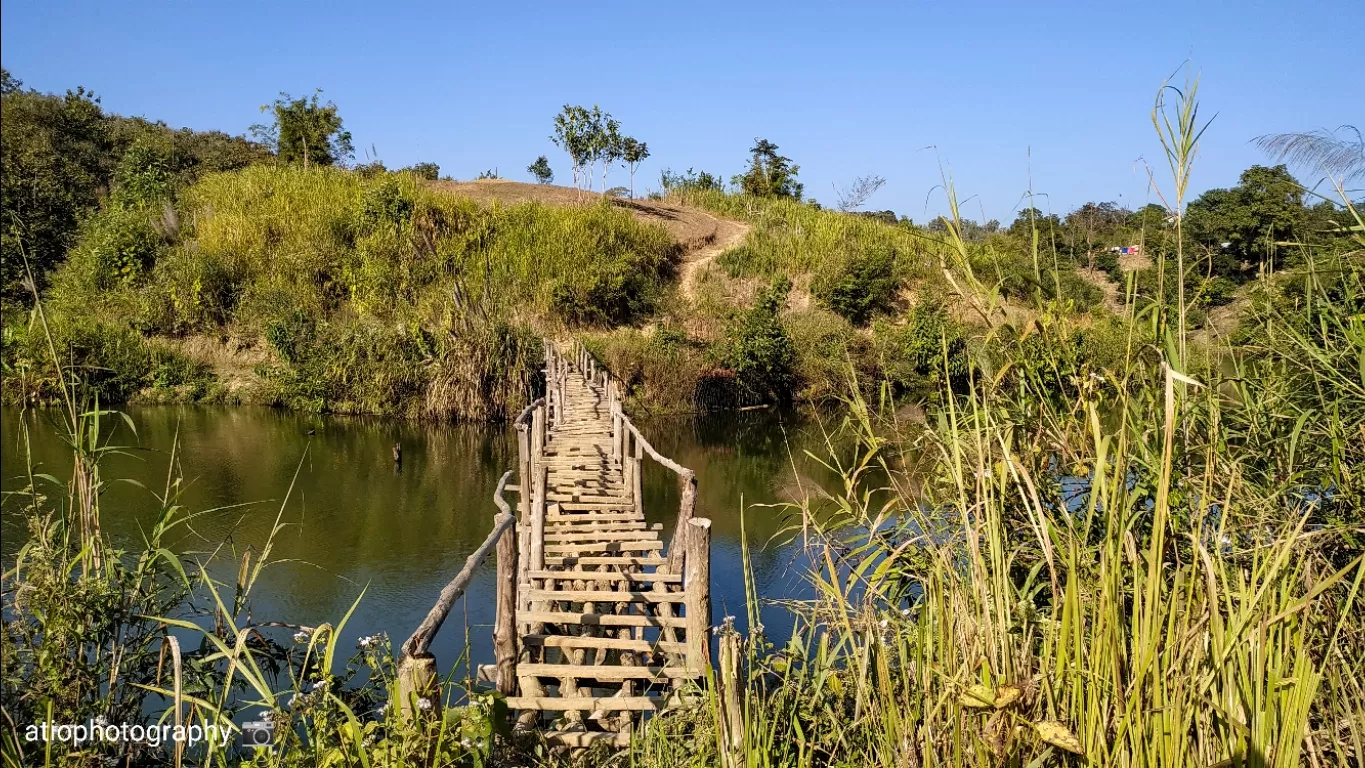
(382, 710)
(905, 611)
(884, 623)
(101, 721)
(369, 641)
(424, 704)
(319, 685)
(300, 637)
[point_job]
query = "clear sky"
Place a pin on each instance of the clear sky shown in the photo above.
(993, 88)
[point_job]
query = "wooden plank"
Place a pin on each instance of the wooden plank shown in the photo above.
(606, 506)
(610, 643)
(600, 535)
(607, 546)
(607, 596)
(667, 578)
(575, 526)
(640, 560)
(598, 515)
(604, 672)
(585, 739)
(599, 620)
(588, 704)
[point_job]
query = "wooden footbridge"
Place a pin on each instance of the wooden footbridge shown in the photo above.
(598, 619)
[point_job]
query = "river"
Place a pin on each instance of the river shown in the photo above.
(357, 521)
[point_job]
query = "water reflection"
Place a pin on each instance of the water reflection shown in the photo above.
(394, 508)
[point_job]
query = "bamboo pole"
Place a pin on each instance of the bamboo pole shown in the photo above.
(686, 508)
(730, 693)
(505, 650)
(697, 583)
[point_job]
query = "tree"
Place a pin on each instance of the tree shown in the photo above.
(427, 171)
(1264, 209)
(856, 194)
(573, 134)
(608, 144)
(540, 169)
(769, 174)
(306, 131)
(55, 158)
(1090, 224)
(633, 152)
(491, 173)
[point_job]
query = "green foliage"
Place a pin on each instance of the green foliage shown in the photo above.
(690, 181)
(865, 286)
(491, 173)
(425, 171)
(1265, 209)
(589, 137)
(306, 131)
(61, 153)
(541, 170)
(633, 152)
(757, 348)
(54, 157)
(769, 174)
(927, 355)
(143, 178)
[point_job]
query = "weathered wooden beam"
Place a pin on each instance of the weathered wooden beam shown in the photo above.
(697, 584)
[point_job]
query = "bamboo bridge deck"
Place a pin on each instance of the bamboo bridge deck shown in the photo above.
(598, 620)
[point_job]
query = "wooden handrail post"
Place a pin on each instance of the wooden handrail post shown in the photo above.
(678, 547)
(697, 583)
(538, 505)
(637, 482)
(505, 651)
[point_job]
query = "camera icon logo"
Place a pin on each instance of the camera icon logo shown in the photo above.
(258, 734)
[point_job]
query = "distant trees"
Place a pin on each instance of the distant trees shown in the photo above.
(427, 171)
(541, 170)
(700, 180)
(305, 131)
(592, 137)
(1265, 209)
(633, 152)
(491, 173)
(60, 154)
(769, 174)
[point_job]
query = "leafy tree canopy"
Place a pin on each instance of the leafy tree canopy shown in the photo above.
(769, 174)
(306, 131)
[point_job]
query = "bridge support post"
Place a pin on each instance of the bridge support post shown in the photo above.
(505, 650)
(697, 584)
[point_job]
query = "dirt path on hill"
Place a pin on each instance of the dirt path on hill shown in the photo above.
(702, 236)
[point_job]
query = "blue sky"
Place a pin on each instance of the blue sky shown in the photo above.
(1000, 91)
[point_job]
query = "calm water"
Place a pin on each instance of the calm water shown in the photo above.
(356, 522)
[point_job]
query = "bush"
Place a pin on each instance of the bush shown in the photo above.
(756, 347)
(114, 361)
(912, 355)
(866, 285)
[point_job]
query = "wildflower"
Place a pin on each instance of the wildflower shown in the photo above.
(424, 704)
(320, 685)
(101, 721)
(300, 637)
(884, 623)
(369, 641)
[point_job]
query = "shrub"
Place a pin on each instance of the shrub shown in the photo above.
(756, 347)
(912, 355)
(866, 285)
